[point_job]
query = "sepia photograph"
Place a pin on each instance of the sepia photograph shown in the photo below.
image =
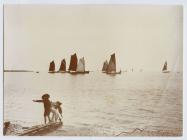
(112, 70)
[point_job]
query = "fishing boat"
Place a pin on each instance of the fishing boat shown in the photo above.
(111, 69)
(41, 129)
(52, 67)
(62, 68)
(10, 129)
(164, 69)
(81, 67)
(75, 68)
(105, 66)
(73, 63)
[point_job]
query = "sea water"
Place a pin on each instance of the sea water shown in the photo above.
(145, 100)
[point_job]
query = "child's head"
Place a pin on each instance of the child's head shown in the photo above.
(58, 103)
(45, 96)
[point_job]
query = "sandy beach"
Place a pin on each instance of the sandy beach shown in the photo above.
(73, 131)
(14, 130)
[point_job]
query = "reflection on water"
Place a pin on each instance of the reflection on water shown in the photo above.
(122, 102)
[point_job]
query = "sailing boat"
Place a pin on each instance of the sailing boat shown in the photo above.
(81, 67)
(52, 67)
(62, 68)
(164, 69)
(73, 63)
(111, 69)
(105, 66)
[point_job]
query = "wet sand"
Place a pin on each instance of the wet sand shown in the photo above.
(14, 130)
(73, 131)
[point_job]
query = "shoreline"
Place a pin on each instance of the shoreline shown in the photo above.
(83, 131)
(14, 130)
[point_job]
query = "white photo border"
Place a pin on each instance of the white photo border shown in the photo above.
(68, 2)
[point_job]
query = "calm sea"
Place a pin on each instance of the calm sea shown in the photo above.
(145, 100)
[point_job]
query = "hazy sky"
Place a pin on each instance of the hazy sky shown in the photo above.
(141, 36)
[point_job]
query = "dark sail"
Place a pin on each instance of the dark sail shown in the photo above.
(112, 64)
(52, 66)
(63, 65)
(165, 66)
(105, 66)
(73, 63)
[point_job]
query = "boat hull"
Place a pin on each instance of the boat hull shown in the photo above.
(62, 71)
(165, 71)
(113, 73)
(77, 72)
(51, 72)
(41, 129)
(58, 72)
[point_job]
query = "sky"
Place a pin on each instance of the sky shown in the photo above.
(141, 36)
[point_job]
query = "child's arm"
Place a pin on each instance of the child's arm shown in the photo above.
(59, 109)
(37, 101)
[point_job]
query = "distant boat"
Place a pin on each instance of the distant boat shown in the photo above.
(165, 67)
(81, 65)
(62, 68)
(111, 69)
(73, 63)
(52, 67)
(105, 66)
(75, 68)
